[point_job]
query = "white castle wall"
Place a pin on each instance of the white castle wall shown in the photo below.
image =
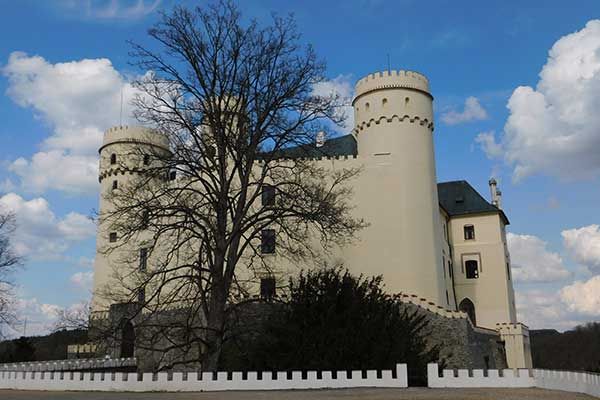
(196, 382)
(578, 382)
(69, 365)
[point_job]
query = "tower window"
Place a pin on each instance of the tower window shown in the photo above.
(268, 195)
(141, 296)
(115, 184)
(367, 106)
(469, 232)
(267, 239)
(145, 219)
(112, 237)
(444, 266)
(450, 269)
(406, 101)
(467, 306)
(267, 288)
(143, 259)
(146, 159)
(172, 175)
(384, 102)
(472, 269)
(113, 158)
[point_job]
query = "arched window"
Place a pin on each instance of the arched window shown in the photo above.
(384, 102)
(406, 101)
(113, 158)
(467, 306)
(471, 269)
(127, 339)
(367, 106)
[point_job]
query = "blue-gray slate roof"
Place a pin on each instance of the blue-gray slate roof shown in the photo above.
(460, 198)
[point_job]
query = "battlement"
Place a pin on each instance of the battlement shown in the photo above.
(134, 134)
(392, 79)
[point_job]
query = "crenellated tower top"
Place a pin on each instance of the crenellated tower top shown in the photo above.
(399, 79)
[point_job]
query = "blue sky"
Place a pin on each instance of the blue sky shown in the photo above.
(515, 89)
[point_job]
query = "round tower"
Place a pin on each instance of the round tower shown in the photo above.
(393, 113)
(126, 151)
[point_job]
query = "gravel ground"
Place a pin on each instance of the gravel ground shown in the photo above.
(340, 394)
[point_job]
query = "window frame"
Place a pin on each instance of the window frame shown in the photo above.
(143, 265)
(113, 237)
(469, 228)
(267, 241)
(470, 273)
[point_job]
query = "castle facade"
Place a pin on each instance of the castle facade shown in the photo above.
(442, 243)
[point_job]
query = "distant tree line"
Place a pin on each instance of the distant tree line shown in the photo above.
(574, 350)
(41, 348)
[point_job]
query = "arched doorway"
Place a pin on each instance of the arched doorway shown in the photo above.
(467, 306)
(127, 339)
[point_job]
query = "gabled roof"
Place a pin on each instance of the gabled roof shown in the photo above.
(460, 198)
(338, 146)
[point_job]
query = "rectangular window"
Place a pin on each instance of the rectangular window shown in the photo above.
(112, 237)
(267, 288)
(472, 269)
(268, 195)
(143, 259)
(267, 239)
(115, 184)
(469, 232)
(141, 296)
(145, 219)
(146, 159)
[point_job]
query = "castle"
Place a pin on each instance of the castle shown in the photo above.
(443, 243)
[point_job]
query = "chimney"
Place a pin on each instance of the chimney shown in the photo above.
(494, 191)
(498, 199)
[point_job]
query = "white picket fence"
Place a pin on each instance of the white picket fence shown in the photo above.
(579, 382)
(196, 382)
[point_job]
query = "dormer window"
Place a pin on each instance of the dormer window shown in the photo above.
(469, 232)
(113, 158)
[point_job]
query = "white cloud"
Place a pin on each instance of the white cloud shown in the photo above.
(340, 86)
(553, 128)
(78, 100)
(111, 9)
(487, 141)
(473, 111)
(532, 261)
(40, 234)
(584, 245)
(37, 318)
(543, 309)
(583, 297)
(83, 280)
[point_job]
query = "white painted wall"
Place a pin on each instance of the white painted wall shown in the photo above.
(194, 382)
(578, 382)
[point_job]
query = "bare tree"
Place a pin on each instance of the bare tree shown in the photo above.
(8, 261)
(234, 100)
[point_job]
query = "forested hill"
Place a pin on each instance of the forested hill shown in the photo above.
(41, 348)
(575, 350)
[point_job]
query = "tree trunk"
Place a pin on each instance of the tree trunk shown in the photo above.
(215, 325)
